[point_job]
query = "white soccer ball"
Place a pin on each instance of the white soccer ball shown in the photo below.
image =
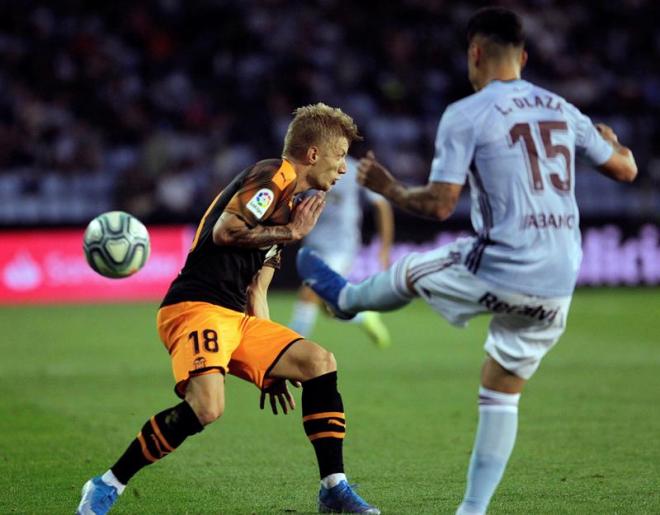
(116, 244)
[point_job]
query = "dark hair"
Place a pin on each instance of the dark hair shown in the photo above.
(498, 24)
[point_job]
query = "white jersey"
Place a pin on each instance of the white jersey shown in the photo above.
(339, 228)
(517, 143)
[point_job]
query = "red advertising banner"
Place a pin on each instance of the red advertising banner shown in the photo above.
(49, 266)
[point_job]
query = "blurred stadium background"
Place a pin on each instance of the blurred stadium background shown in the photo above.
(153, 106)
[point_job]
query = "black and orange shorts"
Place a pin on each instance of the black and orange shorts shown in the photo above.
(203, 338)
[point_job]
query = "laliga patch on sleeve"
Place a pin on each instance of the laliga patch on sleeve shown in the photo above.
(259, 204)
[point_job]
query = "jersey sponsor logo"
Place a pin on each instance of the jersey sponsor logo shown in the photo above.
(539, 312)
(259, 204)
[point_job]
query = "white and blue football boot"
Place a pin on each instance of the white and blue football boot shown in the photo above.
(325, 282)
(97, 497)
(342, 499)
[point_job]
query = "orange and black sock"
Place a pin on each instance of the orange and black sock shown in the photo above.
(324, 422)
(160, 435)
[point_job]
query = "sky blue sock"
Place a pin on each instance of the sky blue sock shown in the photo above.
(496, 436)
(377, 293)
(303, 318)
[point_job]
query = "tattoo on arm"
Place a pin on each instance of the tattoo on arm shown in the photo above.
(418, 200)
(260, 235)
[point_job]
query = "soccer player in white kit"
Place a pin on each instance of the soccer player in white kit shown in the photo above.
(337, 238)
(516, 145)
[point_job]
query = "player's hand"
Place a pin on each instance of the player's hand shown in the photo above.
(306, 214)
(373, 175)
(278, 392)
(607, 133)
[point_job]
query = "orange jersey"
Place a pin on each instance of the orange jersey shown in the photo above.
(220, 274)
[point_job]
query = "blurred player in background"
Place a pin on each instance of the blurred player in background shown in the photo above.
(215, 320)
(516, 144)
(337, 238)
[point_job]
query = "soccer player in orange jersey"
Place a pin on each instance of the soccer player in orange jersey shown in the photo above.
(214, 319)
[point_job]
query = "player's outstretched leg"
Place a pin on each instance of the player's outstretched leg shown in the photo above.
(306, 309)
(385, 291)
(159, 436)
(325, 282)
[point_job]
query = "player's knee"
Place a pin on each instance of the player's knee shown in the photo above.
(320, 362)
(329, 362)
(207, 410)
(205, 395)
(209, 413)
(497, 378)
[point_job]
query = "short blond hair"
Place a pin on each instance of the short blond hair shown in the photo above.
(314, 124)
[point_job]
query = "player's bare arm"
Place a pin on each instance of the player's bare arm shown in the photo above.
(232, 230)
(257, 305)
(435, 200)
(257, 293)
(621, 166)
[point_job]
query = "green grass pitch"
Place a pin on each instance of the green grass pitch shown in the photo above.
(77, 382)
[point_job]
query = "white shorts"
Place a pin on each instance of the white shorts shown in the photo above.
(523, 328)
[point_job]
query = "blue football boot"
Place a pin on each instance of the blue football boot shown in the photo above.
(325, 282)
(97, 497)
(342, 499)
